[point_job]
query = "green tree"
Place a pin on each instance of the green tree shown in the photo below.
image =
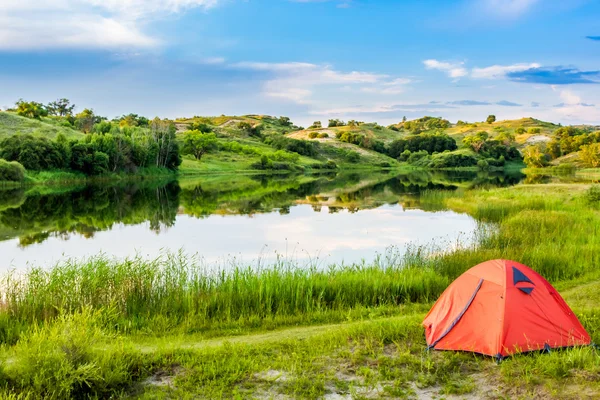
(197, 143)
(84, 121)
(284, 121)
(590, 155)
(535, 156)
(61, 108)
(476, 141)
(491, 119)
(31, 109)
(316, 125)
(166, 149)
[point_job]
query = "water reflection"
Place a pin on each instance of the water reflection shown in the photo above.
(220, 215)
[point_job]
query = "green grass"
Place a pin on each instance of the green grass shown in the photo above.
(103, 328)
(11, 124)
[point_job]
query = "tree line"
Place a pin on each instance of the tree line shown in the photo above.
(106, 149)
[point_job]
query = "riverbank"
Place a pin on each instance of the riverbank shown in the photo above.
(167, 328)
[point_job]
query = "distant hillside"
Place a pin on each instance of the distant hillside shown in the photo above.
(11, 124)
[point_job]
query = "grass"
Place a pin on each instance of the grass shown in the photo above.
(11, 124)
(170, 328)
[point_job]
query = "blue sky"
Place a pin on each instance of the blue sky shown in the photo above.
(370, 60)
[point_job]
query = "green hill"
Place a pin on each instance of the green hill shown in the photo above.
(12, 124)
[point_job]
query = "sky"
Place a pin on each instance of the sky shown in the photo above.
(369, 60)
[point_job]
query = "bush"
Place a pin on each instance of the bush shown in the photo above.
(483, 165)
(353, 157)
(593, 194)
(331, 164)
(534, 131)
(405, 155)
(313, 135)
(452, 160)
(322, 135)
(11, 171)
(429, 143)
(416, 156)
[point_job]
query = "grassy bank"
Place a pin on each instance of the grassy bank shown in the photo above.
(170, 328)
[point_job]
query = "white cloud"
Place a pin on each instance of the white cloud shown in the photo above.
(454, 70)
(500, 71)
(573, 108)
(109, 24)
(297, 82)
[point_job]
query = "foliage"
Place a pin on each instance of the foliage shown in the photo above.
(483, 165)
(131, 120)
(249, 129)
(429, 143)
(284, 121)
(323, 135)
(97, 153)
(590, 154)
(569, 139)
(425, 124)
(11, 171)
(316, 125)
(200, 126)
(490, 119)
(31, 109)
(302, 147)
(313, 135)
(85, 120)
(535, 156)
(197, 143)
(353, 157)
(593, 194)
(162, 135)
(61, 108)
(476, 141)
(335, 122)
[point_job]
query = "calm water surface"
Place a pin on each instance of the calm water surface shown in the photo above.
(314, 220)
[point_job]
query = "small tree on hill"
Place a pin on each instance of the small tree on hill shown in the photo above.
(61, 108)
(535, 156)
(476, 141)
(197, 143)
(84, 121)
(31, 109)
(316, 125)
(491, 119)
(590, 155)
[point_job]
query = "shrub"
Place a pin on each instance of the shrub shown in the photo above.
(313, 135)
(11, 171)
(592, 195)
(483, 165)
(428, 143)
(534, 131)
(353, 157)
(452, 160)
(405, 155)
(590, 155)
(331, 164)
(416, 156)
(322, 135)
(520, 130)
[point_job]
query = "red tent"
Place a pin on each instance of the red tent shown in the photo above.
(500, 308)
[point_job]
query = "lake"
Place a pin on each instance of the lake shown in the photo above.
(315, 220)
